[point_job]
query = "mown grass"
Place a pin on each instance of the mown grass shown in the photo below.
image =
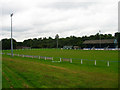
(21, 72)
(82, 54)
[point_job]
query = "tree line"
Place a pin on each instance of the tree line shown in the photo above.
(55, 42)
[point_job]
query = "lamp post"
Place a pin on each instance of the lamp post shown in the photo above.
(100, 38)
(11, 36)
(57, 37)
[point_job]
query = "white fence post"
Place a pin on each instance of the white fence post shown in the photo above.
(95, 62)
(70, 60)
(60, 60)
(108, 64)
(81, 61)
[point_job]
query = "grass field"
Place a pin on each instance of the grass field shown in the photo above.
(19, 72)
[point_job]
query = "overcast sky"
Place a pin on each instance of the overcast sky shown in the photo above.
(44, 18)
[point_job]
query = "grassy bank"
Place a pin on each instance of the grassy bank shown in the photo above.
(19, 72)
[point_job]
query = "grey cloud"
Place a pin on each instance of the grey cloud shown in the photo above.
(66, 18)
(68, 5)
(12, 7)
(22, 29)
(15, 29)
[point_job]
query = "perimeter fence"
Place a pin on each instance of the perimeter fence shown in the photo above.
(70, 60)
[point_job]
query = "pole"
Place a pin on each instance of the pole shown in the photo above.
(95, 62)
(57, 42)
(81, 61)
(108, 64)
(60, 60)
(57, 37)
(11, 37)
(100, 38)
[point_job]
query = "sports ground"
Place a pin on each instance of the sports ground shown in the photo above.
(93, 72)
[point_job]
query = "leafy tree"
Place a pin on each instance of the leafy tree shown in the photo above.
(6, 44)
(51, 43)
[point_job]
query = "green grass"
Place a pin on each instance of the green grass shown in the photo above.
(82, 54)
(19, 72)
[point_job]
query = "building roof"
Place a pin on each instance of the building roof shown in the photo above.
(104, 41)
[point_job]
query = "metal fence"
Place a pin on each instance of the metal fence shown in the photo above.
(59, 59)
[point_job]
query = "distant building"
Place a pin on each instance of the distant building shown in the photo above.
(105, 43)
(68, 47)
(26, 47)
(18, 47)
(76, 47)
(21, 47)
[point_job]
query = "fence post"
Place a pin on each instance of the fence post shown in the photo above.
(52, 58)
(39, 57)
(60, 59)
(45, 58)
(95, 62)
(70, 60)
(23, 55)
(81, 61)
(108, 64)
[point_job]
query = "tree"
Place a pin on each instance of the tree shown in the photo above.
(53, 43)
(117, 35)
(6, 44)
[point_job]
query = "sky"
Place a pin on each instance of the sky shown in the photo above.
(46, 18)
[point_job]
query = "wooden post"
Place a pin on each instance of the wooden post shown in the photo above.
(39, 57)
(45, 58)
(52, 58)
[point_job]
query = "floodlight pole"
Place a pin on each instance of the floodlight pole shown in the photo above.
(57, 42)
(11, 36)
(100, 38)
(57, 37)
